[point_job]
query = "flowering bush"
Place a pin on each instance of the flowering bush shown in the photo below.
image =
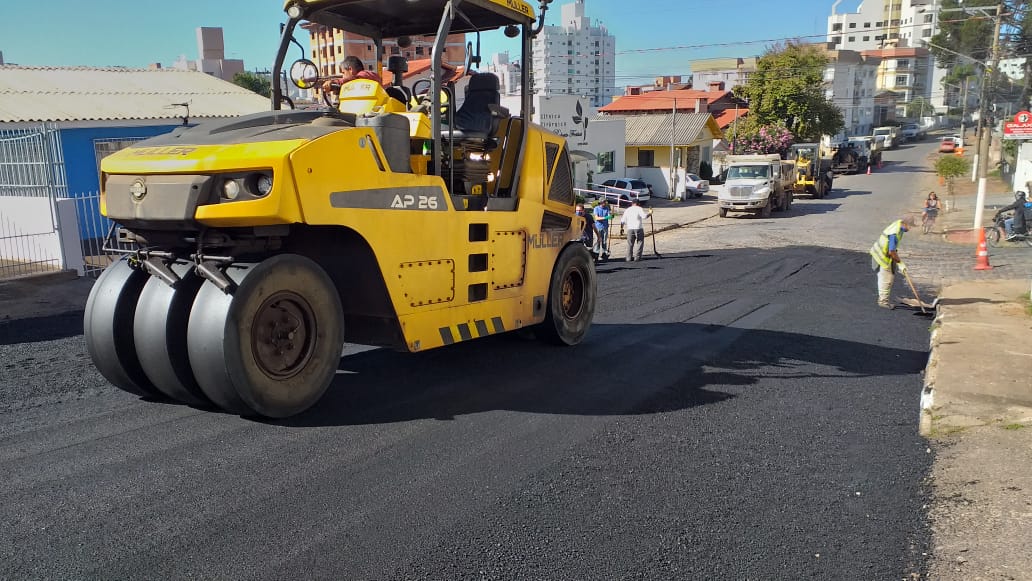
(762, 139)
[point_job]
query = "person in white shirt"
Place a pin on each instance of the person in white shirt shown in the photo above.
(633, 222)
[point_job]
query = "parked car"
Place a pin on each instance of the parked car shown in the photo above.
(621, 191)
(694, 186)
(911, 132)
(948, 145)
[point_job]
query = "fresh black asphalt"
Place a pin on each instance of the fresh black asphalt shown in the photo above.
(737, 414)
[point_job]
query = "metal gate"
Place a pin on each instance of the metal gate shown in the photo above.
(32, 178)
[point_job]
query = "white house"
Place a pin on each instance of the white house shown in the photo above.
(597, 146)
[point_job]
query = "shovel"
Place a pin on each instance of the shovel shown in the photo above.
(653, 223)
(920, 303)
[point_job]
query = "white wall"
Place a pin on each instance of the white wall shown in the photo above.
(559, 114)
(33, 230)
(27, 230)
(1023, 170)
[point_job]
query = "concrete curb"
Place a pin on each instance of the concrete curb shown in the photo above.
(931, 373)
(43, 277)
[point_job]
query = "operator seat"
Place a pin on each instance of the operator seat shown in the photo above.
(478, 117)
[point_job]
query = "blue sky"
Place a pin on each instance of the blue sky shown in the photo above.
(137, 33)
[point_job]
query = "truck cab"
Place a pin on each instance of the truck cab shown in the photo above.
(756, 183)
(889, 136)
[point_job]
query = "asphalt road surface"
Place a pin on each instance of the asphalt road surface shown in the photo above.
(740, 410)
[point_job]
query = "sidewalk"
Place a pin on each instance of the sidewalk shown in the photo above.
(45, 295)
(976, 406)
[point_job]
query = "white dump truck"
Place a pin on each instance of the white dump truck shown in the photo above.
(757, 183)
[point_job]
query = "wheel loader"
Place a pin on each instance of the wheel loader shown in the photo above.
(252, 249)
(813, 170)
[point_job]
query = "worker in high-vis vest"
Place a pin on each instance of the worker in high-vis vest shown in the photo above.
(885, 257)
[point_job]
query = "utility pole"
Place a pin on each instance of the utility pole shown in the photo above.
(985, 130)
(963, 110)
(673, 144)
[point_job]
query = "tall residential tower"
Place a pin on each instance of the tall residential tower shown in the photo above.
(575, 57)
(896, 32)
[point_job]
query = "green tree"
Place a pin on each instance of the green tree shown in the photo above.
(788, 89)
(965, 39)
(919, 107)
(254, 83)
(950, 167)
(970, 35)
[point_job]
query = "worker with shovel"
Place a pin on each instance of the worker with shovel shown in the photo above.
(885, 257)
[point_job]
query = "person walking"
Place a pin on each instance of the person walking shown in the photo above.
(633, 221)
(602, 216)
(885, 259)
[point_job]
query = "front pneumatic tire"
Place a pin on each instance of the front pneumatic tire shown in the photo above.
(272, 346)
(571, 298)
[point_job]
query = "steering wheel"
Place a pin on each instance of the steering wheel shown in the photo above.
(422, 91)
(326, 98)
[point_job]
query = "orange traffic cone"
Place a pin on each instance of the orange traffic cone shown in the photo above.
(868, 169)
(982, 255)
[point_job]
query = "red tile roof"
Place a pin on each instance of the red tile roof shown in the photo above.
(420, 66)
(662, 100)
(726, 117)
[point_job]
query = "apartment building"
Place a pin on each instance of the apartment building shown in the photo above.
(329, 46)
(851, 83)
(731, 72)
(575, 57)
(211, 48)
(508, 73)
(896, 31)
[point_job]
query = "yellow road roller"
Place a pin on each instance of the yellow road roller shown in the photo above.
(408, 217)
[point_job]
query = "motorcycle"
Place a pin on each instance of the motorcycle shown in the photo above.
(996, 234)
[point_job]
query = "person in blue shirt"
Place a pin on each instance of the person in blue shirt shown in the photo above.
(885, 257)
(602, 217)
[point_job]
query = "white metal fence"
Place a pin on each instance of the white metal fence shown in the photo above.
(32, 179)
(42, 228)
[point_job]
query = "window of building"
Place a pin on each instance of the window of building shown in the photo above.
(607, 162)
(851, 39)
(419, 51)
(901, 80)
(928, 18)
(105, 147)
(895, 22)
(852, 25)
(836, 40)
(878, 24)
(867, 25)
(646, 158)
(902, 63)
(894, 35)
(395, 50)
(866, 38)
(926, 33)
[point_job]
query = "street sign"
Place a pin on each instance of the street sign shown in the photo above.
(1020, 128)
